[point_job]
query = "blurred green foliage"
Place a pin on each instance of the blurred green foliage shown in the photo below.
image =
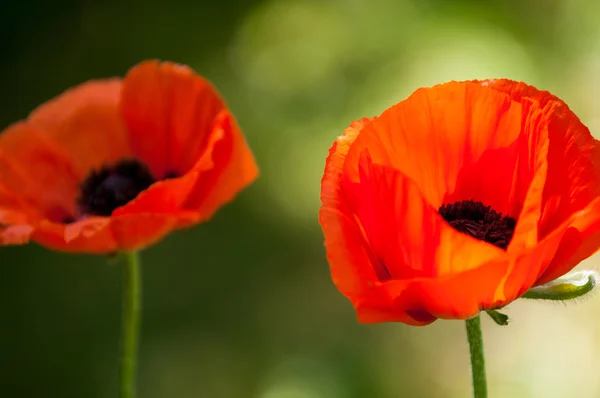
(243, 306)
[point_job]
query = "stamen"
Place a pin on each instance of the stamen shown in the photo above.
(112, 186)
(479, 221)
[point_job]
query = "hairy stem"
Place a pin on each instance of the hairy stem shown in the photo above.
(132, 287)
(475, 339)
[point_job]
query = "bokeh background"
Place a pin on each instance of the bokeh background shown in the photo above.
(243, 306)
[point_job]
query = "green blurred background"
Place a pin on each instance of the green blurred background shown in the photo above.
(243, 306)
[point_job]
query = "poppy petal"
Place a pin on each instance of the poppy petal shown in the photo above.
(387, 302)
(574, 164)
(93, 137)
(110, 234)
(438, 132)
(166, 196)
(527, 257)
(530, 176)
(53, 114)
(89, 235)
(556, 254)
(524, 268)
(464, 294)
(573, 155)
(174, 106)
(347, 251)
(170, 195)
(15, 234)
(233, 168)
(396, 217)
(86, 122)
(14, 210)
(138, 231)
(573, 158)
(581, 239)
(455, 296)
(38, 171)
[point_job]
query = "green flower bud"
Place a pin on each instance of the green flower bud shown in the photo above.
(568, 287)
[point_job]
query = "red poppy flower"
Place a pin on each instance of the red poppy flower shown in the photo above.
(459, 198)
(118, 164)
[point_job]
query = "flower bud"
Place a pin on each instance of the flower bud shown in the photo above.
(568, 287)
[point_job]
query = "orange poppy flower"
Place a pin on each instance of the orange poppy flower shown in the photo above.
(458, 199)
(118, 164)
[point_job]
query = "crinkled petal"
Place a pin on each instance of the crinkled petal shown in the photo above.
(580, 240)
(233, 168)
(463, 294)
(573, 183)
(573, 155)
(408, 236)
(455, 296)
(438, 133)
(169, 111)
(225, 167)
(347, 252)
(171, 195)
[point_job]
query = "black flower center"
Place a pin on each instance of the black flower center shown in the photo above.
(112, 186)
(479, 221)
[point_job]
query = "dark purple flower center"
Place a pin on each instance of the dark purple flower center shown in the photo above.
(111, 186)
(479, 221)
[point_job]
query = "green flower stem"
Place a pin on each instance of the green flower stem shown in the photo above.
(132, 287)
(477, 358)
